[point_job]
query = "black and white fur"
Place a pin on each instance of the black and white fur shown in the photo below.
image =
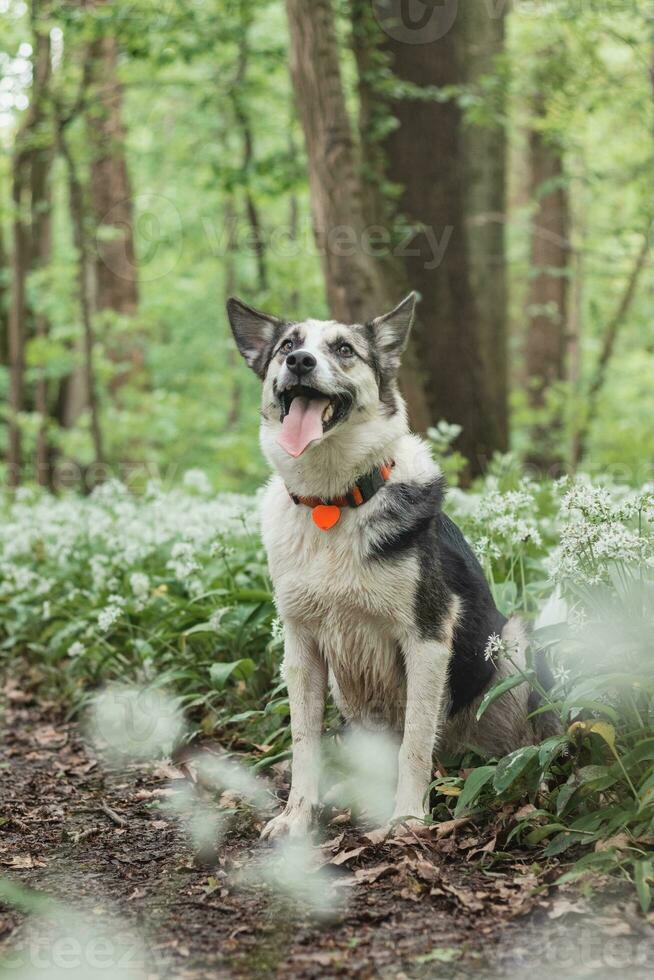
(389, 609)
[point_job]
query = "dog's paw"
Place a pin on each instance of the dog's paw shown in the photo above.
(294, 821)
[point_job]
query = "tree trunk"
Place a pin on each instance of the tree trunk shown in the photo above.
(41, 235)
(31, 202)
(17, 319)
(4, 318)
(451, 257)
(357, 288)
(115, 265)
(354, 288)
(243, 123)
(547, 303)
(484, 157)
(231, 289)
(80, 240)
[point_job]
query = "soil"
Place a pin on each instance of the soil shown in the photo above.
(131, 897)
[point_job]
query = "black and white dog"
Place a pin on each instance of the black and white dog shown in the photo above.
(381, 597)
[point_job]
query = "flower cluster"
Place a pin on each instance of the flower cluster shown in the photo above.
(601, 527)
(75, 570)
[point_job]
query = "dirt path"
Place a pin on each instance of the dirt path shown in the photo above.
(103, 841)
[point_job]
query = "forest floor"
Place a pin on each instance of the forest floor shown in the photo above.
(97, 840)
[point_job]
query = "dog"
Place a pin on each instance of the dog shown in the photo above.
(383, 601)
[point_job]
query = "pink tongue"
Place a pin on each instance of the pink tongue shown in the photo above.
(302, 425)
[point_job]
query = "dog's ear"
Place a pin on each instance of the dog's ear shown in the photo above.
(255, 333)
(390, 333)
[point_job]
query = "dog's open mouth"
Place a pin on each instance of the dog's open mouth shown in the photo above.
(306, 415)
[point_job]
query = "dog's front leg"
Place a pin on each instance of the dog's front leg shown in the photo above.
(426, 665)
(306, 679)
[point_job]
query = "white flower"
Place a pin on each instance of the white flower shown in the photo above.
(197, 480)
(139, 584)
(108, 617)
(495, 648)
(76, 649)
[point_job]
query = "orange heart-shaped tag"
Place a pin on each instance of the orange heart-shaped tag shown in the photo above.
(326, 515)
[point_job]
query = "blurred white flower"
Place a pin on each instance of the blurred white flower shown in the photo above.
(368, 761)
(140, 584)
(293, 869)
(197, 480)
(108, 617)
(140, 723)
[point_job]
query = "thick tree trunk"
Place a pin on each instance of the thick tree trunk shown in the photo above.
(354, 288)
(357, 287)
(110, 188)
(447, 262)
(484, 159)
(547, 302)
(115, 266)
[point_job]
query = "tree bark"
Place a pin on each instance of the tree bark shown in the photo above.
(4, 317)
(80, 240)
(484, 158)
(243, 123)
(231, 289)
(356, 286)
(115, 264)
(547, 302)
(110, 187)
(41, 235)
(17, 319)
(450, 265)
(31, 202)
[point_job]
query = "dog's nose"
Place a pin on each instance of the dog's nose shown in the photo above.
(300, 362)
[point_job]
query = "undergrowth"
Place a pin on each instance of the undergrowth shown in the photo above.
(170, 589)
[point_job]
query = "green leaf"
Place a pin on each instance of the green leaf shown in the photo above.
(440, 954)
(473, 787)
(642, 875)
(512, 766)
(515, 680)
(235, 669)
(541, 833)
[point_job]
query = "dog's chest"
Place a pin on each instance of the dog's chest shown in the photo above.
(357, 608)
(326, 580)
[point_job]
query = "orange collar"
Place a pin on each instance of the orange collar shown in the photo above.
(327, 513)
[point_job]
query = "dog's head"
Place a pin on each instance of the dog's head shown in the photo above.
(322, 380)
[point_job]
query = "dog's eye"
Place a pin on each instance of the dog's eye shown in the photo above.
(286, 347)
(345, 350)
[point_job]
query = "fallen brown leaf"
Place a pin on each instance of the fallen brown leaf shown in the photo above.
(344, 856)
